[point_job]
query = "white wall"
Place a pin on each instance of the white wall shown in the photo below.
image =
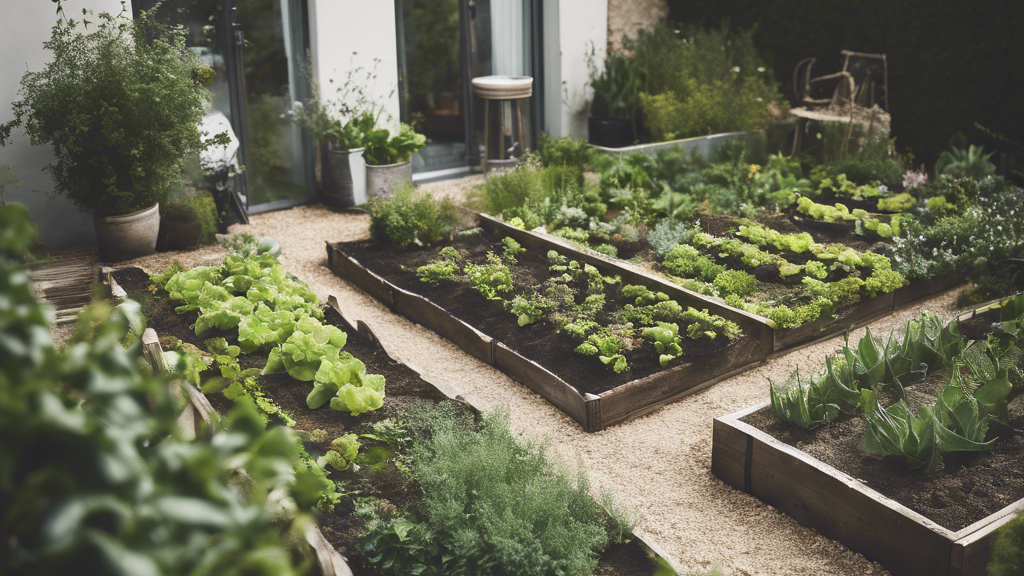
(23, 29)
(578, 27)
(348, 34)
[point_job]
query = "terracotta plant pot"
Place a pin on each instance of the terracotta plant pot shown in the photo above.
(128, 236)
(343, 178)
(381, 181)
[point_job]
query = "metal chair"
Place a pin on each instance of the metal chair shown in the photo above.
(863, 81)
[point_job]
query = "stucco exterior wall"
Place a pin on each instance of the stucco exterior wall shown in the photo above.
(627, 17)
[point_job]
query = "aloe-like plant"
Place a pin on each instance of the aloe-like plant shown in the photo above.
(970, 162)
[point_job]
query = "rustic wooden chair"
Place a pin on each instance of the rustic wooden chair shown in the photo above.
(864, 81)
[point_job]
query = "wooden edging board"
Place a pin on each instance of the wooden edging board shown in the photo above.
(199, 415)
(843, 508)
(593, 412)
(331, 563)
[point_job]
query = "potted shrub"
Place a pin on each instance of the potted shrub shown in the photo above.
(120, 101)
(340, 127)
(388, 159)
(612, 121)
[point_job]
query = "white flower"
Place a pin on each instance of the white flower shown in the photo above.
(760, 68)
(736, 69)
(297, 105)
(759, 99)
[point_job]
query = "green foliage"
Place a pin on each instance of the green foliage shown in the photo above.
(490, 279)
(666, 339)
(511, 250)
(982, 237)
(970, 162)
(444, 268)
(702, 324)
(382, 148)
(411, 219)
(159, 504)
(925, 345)
(735, 282)
(122, 100)
(1008, 549)
(527, 308)
(901, 202)
(565, 151)
(667, 234)
(342, 453)
(840, 213)
(493, 503)
(607, 348)
(702, 81)
(687, 262)
(762, 236)
(198, 208)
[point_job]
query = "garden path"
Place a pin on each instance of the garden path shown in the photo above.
(658, 465)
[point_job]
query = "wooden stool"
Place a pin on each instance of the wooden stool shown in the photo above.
(505, 142)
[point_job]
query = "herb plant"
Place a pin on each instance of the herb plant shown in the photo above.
(121, 100)
(411, 219)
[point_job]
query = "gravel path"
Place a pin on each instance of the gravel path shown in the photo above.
(658, 465)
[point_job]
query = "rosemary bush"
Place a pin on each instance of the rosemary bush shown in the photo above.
(120, 101)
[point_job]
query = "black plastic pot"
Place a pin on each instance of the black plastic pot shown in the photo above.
(610, 132)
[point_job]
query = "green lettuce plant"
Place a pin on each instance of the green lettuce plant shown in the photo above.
(666, 339)
(490, 279)
(383, 149)
(342, 454)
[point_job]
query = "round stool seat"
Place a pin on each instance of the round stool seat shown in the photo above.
(503, 87)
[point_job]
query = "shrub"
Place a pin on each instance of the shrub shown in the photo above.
(702, 81)
(198, 213)
(411, 218)
(567, 151)
(687, 262)
(735, 282)
(1008, 549)
(667, 234)
(122, 101)
(493, 503)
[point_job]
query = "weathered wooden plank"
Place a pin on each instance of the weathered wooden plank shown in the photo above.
(350, 269)
(972, 551)
(920, 289)
(331, 563)
(425, 312)
(645, 395)
(729, 450)
(153, 351)
(866, 311)
(543, 382)
(841, 508)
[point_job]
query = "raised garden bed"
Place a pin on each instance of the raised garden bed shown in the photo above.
(542, 360)
(405, 390)
(912, 526)
(846, 318)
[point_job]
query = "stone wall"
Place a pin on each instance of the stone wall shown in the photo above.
(626, 17)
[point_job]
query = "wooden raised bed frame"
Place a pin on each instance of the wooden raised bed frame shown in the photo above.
(843, 508)
(199, 414)
(593, 412)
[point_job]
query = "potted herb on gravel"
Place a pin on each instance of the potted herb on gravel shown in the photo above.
(120, 101)
(388, 163)
(340, 126)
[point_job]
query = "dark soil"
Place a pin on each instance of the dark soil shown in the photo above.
(969, 488)
(406, 393)
(539, 341)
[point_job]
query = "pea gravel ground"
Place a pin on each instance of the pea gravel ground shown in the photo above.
(658, 465)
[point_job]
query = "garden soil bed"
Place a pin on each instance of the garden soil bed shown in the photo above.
(913, 525)
(537, 355)
(847, 317)
(406, 392)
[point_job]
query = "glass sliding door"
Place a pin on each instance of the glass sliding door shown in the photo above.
(256, 48)
(431, 88)
(280, 158)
